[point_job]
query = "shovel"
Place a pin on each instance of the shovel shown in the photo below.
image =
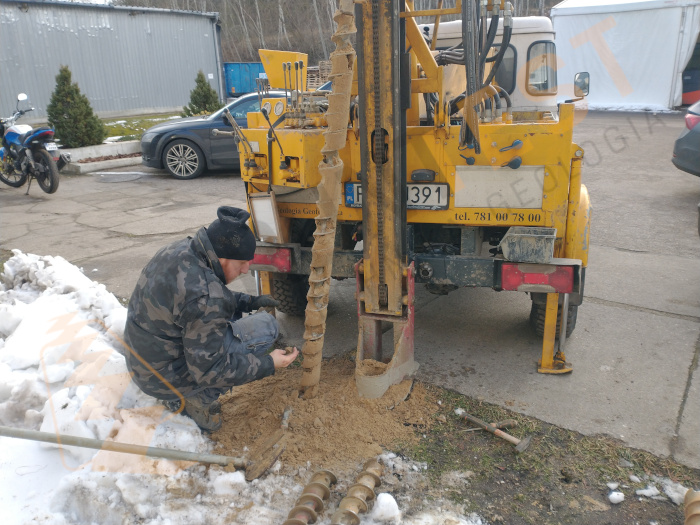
(262, 457)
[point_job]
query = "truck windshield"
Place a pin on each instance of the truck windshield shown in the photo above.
(542, 68)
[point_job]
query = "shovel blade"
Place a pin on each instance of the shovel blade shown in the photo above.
(262, 457)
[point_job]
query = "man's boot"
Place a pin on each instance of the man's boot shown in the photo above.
(206, 415)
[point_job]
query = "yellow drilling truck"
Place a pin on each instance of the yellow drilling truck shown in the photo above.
(443, 182)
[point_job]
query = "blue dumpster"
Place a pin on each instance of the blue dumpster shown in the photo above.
(240, 77)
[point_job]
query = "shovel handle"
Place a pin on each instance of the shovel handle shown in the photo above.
(492, 429)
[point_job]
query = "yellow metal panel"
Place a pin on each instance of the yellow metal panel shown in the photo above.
(272, 62)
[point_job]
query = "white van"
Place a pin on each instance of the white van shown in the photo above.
(528, 71)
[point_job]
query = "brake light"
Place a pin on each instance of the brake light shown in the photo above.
(691, 120)
(272, 259)
(544, 278)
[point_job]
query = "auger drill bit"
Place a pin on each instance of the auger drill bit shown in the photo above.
(355, 503)
(329, 189)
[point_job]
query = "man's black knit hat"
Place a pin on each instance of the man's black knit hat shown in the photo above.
(230, 236)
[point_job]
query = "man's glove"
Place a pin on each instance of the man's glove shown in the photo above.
(262, 301)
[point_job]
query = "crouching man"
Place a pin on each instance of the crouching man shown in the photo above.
(185, 329)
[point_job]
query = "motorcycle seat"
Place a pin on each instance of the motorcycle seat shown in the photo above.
(33, 132)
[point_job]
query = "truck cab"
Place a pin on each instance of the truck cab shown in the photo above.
(528, 71)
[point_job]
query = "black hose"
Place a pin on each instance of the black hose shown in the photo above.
(470, 123)
(507, 32)
(490, 37)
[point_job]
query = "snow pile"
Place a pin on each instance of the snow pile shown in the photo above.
(62, 371)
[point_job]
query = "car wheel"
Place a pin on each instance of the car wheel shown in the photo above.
(183, 159)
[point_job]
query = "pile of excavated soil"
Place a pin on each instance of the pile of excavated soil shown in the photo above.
(337, 430)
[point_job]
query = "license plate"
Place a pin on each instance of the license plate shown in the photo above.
(51, 146)
(420, 196)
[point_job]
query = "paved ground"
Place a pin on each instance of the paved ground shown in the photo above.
(635, 349)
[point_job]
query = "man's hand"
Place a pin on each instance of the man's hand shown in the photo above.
(282, 359)
(263, 301)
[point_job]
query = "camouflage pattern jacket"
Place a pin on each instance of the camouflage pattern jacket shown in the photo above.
(176, 322)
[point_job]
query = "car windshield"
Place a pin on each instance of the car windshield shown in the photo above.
(240, 107)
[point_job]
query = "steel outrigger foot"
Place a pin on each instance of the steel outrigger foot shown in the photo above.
(372, 375)
(554, 363)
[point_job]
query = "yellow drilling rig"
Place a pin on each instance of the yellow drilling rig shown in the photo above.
(419, 153)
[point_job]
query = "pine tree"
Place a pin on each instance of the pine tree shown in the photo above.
(71, 115)
(203, 98)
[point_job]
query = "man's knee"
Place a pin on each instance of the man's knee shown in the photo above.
(253, 334)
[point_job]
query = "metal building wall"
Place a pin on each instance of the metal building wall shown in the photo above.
(126, 61)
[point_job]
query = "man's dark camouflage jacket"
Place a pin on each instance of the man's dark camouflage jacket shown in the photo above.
(176, 322)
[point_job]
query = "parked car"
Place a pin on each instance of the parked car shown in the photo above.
(686, 151)
(186, 147)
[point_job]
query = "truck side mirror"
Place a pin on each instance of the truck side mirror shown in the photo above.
(581, 84)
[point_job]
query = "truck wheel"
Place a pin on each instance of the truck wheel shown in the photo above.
(291, 293)
(537, 313)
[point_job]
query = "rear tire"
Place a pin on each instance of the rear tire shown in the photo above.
(291, 289)
(184, 160)
(9, 176)
(47, 176)
(537, 314)
(291, 293)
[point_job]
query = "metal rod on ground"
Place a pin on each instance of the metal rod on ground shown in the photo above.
(126, 448)
(331, 170)
(520, 444)
(506, 423)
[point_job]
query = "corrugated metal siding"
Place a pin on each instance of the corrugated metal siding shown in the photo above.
(126, 61)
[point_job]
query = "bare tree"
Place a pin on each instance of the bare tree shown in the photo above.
(259, 26)
(320, 30)
(282, 28)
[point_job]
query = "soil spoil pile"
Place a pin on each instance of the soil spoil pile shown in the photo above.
(336, 430)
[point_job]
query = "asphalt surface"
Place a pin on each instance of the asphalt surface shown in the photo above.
(636, 345)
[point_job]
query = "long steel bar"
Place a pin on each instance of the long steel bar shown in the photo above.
(126, 448)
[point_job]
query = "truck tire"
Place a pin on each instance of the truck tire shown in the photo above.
(537, 313)
(291, 293)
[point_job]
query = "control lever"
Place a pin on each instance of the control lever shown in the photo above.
(271, 134)
(517, 144)
(513, 164)
(238, 134)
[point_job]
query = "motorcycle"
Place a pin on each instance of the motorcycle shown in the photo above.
(29, 153)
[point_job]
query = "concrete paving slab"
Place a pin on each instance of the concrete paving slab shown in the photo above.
(623, 384)
(661, 282)
(686, 448)
(120, 269)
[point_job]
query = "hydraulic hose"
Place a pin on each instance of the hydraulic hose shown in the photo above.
(490, 37)
(469, 132)
(507, 33)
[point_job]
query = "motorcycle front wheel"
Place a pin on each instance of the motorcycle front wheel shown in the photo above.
(47, 172)
(11, 177)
